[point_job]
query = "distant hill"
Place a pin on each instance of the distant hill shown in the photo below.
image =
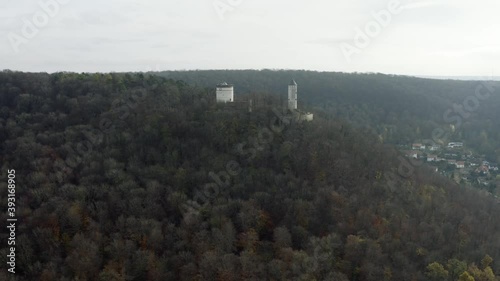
(400, 109)
(463, 78)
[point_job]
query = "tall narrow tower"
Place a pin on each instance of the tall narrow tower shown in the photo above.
(292, 95)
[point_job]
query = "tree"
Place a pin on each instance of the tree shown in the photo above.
(486, 261)
(466, 277)
(282, 237)
(436, 272)
(456, 268)
(481, 275)
(84, 259)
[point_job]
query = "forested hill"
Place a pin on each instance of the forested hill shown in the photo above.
(135, 177)
(400, 109)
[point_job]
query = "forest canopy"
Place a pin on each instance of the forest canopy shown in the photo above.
(127, 176)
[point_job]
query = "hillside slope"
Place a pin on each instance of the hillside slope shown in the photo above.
(134, 177)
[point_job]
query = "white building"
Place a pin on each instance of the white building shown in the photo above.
(413, 154)
(418, 146)
(434, 147)
(455, 144)
(225, 92)
(292, 95)
(431, 158)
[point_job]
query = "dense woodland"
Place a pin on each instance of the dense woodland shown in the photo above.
(399, 109)
(140, 177)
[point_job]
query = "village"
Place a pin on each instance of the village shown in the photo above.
(458, 162)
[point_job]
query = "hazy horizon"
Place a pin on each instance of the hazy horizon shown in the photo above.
(438, 77)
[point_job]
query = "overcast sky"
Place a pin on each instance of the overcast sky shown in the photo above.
(427, 37)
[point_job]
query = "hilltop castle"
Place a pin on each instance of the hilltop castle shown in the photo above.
(225, 94)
